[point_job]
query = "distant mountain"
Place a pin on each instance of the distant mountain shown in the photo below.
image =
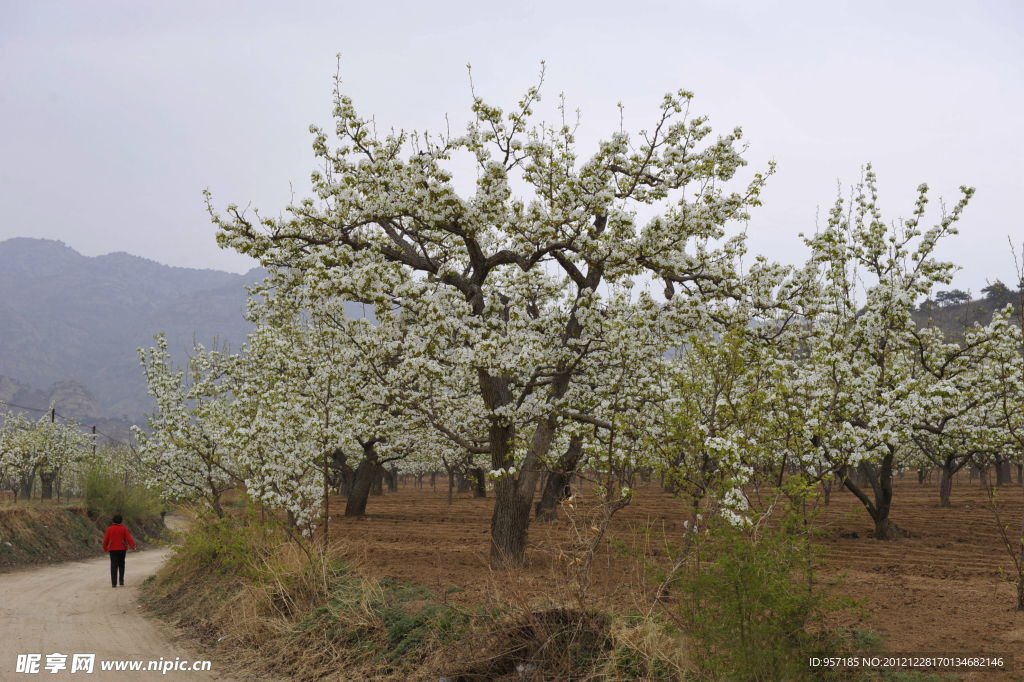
(67, 318)
(71, 399)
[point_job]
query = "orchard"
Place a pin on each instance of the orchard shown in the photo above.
(535, 340)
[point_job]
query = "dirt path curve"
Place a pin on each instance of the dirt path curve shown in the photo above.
(71, 609)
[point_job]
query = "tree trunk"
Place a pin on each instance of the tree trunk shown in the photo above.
(551, 497)
(513, 494)
(46, 479)
(556, 485)
(853, 475)
(920, 476)
(364, 478)
(215, 503)
(945, 487)
(345, 476)
(480, 487)
(451, 484)
(433, 480)
(888, 531)
(509, 524)
(348, 479)
(1003, 476)
(326, 515)
(377, 488)
(881, 483)
(27, 483)
(462, 481)
(1020, 473)
(510, 521)
(393, 479)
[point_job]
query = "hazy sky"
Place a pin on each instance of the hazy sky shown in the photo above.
(115, 116)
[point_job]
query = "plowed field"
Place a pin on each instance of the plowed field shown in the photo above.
(939, 591)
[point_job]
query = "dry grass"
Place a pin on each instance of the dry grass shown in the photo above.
(269, 604)
(565, 631)
(33, 534)
(650, 649)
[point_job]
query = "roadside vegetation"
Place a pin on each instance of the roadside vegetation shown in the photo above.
(738, 603)
(108, 489)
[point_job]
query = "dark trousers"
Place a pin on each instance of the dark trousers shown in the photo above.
(117, 565)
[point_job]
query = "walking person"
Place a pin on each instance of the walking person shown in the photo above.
(116, 541)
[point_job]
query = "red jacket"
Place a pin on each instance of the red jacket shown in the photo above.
(115, 538)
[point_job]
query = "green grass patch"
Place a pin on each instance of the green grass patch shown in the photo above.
(389, 623)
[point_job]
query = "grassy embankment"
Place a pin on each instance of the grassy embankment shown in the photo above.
(41, 532)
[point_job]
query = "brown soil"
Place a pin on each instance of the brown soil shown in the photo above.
(939, 591)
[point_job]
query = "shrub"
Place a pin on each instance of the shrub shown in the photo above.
(750, 598)
(107, 492)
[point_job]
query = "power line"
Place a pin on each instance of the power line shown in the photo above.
(55, 414)
(26, 407)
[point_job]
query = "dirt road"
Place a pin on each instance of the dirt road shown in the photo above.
(71, 609)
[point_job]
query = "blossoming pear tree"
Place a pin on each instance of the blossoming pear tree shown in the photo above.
(1006, 365)
(62, 445)
(45, 447)
(859, 375)
(513, 281)
(20, 452)
(184, 451)
(955, 418)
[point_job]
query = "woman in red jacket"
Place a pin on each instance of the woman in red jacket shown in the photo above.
(116, 541)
